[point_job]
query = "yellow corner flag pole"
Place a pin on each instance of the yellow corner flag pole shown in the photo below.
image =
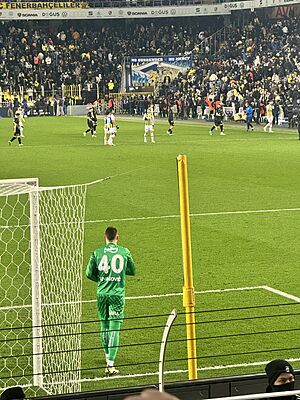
(188, 288)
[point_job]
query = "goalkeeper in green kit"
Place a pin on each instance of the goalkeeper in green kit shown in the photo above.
(108, 266)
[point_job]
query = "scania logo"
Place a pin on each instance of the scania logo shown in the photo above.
(133, 13)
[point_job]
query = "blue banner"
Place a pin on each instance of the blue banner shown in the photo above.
(148, 71)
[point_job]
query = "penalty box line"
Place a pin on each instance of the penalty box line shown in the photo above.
(150, 296)
(170, 216)
(181, 371)
(226, 290)
(282, 294)
(162, 295)
(204, 214)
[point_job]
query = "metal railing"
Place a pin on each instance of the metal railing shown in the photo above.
(211, 45)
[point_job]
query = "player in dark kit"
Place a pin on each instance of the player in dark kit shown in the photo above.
(91, 122)
(219, 117)
(171, 122)
(17, 130)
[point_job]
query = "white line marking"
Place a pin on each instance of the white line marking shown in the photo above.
(208, 214)
(180, 371)
(150, 296)
(197, 141)
(153, 296)
(153, 217)
(283, 294)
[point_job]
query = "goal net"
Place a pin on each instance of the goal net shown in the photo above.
(41, 256)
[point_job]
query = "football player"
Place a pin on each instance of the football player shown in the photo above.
(91, 121)
(149, 124)
(17, 130)
(269, 115)
(171, 122)
(107, 128)
(219, 117)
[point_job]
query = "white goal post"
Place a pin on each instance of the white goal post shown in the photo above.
(41, 257)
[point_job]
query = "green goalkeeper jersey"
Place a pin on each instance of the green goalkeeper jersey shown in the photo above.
(108, 266)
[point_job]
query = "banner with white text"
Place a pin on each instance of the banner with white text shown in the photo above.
(41, 5)
(147, 71)
(79, 10)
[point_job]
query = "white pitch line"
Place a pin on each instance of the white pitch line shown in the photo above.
(196, 142)
(180, 371)
(193, 215)
(150, 296)
(208, 214)
(161, 295)
(283, 294)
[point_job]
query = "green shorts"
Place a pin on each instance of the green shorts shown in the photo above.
(110, 307)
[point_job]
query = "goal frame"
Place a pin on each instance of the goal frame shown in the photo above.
(33, 193)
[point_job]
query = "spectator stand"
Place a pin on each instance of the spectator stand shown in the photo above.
(256, 62)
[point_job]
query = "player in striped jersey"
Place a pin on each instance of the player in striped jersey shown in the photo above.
(149, 124)
(21, 120)
(107, 128)
(113, 129)
(269, 115)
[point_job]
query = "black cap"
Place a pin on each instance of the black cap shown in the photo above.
(13, 393)
(277, 367)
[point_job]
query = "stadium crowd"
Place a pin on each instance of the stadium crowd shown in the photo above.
(258, 62)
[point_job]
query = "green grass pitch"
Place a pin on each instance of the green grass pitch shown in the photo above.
(257, 250)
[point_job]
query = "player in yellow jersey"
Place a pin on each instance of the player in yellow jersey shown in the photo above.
(149, 124)
(269, 115)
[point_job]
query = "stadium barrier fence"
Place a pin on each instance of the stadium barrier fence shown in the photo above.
(218, 388)
(270, 352)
